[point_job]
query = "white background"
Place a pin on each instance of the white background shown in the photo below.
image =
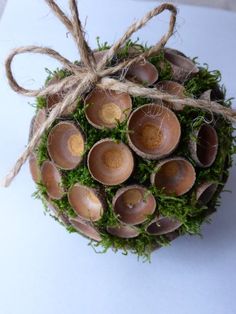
(45, 270)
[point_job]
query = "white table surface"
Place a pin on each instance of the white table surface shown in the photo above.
(45, 270)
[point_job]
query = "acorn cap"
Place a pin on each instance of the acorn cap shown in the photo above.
(105, 108)
(205, 192)
(142, 72)
(174, 175)
(153, 131)
(133, 204)
(51, 179)
(124, 231)
(214, 94)
(66, 145)
(109, 162)
(86, 202)
(163, 225)
(174, 51)
(34, 168)
(204, 146)
(182, 67)
(172, 88)
(86, 228)
(36, 122)
(206, 95)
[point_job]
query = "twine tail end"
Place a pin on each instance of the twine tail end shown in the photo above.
(5, 182)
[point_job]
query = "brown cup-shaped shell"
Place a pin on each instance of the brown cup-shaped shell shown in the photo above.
(214, 94)
(86, 202)
(36, 122)
(124, 231)
(34, 168)
(66, 145)
(175, 176)
(86, 228)
(206, 95)
(105, 108)
(204, 145)
(182, 67)
(142, 72)
(153, 131)
(133, 204)
(205, 192)
(110, 163)
(51, 179)
(163, 225)
(174, 51)
(172, 88)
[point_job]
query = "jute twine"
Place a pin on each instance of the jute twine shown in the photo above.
(90, 74)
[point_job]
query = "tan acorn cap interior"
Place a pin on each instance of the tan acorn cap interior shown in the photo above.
(110, 163)
(153, 131)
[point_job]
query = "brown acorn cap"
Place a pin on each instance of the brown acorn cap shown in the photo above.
(182, 67)
(205, 192)
(153, 131)
(86, 202)
(124, 231)
(206, 95)
(174, 51)
(163, 225)
(86, 228)
(109, 162)
(105, 108)
(172, 88)
(142, 72)
(51, 179)
(36, 122)
(66, 145)
(174, 175)
(204, 146)
(133, 204)
(34, 168)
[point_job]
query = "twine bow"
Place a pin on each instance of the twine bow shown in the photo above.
(92, 74)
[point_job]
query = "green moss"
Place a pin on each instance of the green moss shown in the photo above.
(203, 81)
(184, 208)
(162, 65)
(40, 103)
